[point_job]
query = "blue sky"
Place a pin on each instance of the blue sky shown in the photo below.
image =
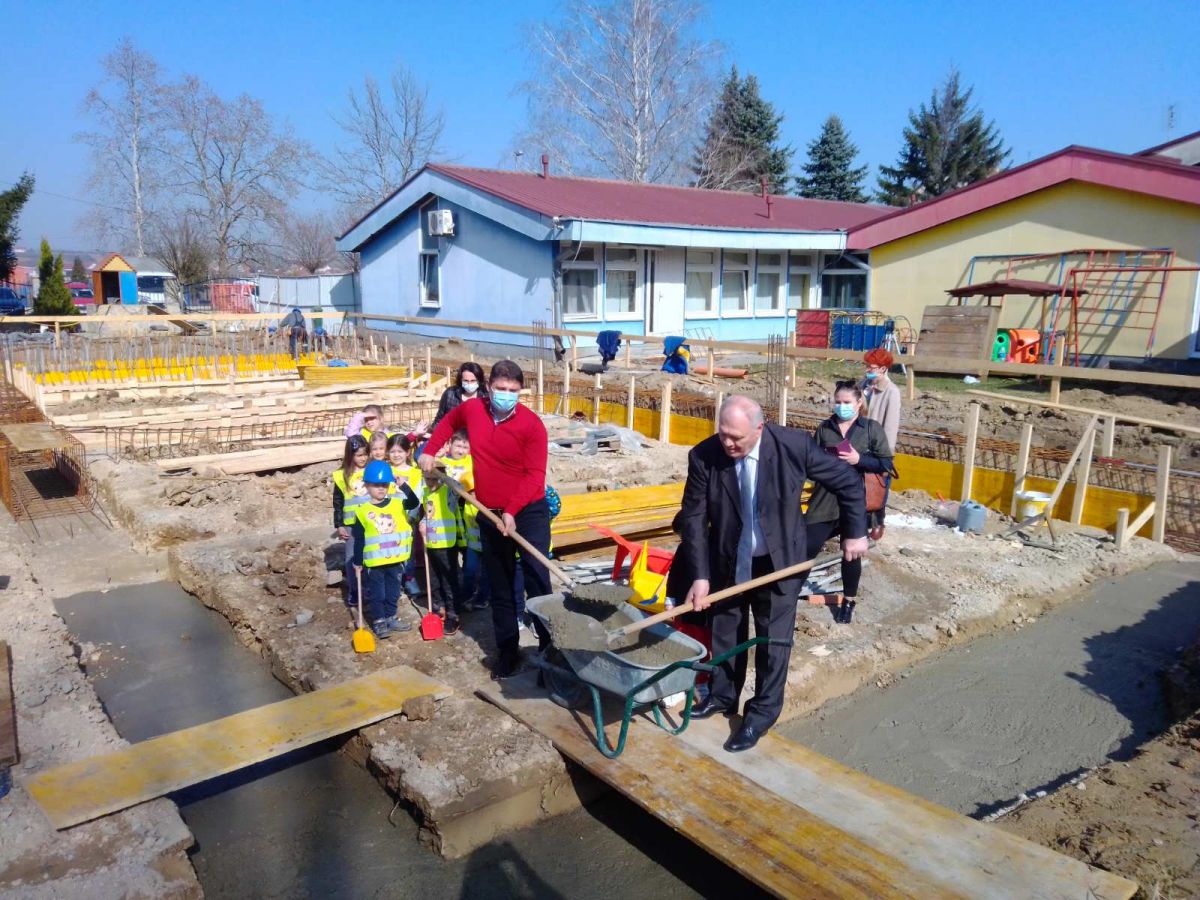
(1100, 74)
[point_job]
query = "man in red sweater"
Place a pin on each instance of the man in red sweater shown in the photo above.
(508, 447)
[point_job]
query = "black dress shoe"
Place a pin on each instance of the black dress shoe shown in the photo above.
(709, 707)
(743, 739)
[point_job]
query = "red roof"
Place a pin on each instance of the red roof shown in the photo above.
(655, 204)
(1139, 174)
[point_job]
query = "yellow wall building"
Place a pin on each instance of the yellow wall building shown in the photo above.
(1074, 200)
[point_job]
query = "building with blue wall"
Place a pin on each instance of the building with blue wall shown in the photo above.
(461, 243)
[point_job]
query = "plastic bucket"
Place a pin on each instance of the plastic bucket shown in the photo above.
(1033, 503)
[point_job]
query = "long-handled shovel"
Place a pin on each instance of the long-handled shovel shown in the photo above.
(617, 633)
(362, 640)
(432, 627)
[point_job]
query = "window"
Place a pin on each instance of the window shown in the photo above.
(701, 279)
(735, 283)
(580, 278)
(431, 289)
(768, 283)
(800, 275)
(844, 281)
(621, 283)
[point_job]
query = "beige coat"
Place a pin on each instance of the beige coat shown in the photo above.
(883, 406)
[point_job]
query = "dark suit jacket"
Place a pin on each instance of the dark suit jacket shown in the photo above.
(710, 520)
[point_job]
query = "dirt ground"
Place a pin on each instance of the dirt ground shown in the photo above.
(1140, 818)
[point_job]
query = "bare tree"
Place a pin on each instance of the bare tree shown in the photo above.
(233, 168)
(306, 241)
(392, 133)
(621, 88)
(126, 108)
(177, 239)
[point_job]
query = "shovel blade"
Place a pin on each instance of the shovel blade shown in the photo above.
(363, 641)
(432, 628)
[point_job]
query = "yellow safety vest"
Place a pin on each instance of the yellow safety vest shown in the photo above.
(409, 473)
(387, 536)
(354, 494)
(441, 520)
(366, 433)
(462, 470)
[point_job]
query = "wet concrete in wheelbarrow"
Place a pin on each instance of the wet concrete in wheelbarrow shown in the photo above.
(583, 618)
(1026, 709)
(312, 823)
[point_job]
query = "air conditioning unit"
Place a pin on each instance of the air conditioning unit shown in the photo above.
(441, 222)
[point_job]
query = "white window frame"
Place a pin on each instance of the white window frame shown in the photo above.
(862, 269)
(780, 271)
(748, 281)
(810, 300)
(714, 289)
(639, 310)
(593, 265)
(425, 253)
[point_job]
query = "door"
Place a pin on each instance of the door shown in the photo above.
(666, 291)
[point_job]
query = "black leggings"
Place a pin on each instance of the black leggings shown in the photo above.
(818, 533)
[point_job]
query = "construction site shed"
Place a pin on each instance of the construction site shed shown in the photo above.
(115, 281)
(1119, 233)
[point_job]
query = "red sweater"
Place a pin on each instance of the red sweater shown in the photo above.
(509, 458)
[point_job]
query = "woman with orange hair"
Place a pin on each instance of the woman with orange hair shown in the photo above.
(882, 398)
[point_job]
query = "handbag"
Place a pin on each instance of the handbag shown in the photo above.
(877, 489)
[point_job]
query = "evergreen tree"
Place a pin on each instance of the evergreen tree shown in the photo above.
(741, 144)
(11, 202)
(830, 173)
(53, 298)
(78, 271)
(947, 145)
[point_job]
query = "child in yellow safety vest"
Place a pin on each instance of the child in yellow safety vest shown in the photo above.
(399, 450)
(348, 492)
(460, 467)
(440, 529)
(382, 545)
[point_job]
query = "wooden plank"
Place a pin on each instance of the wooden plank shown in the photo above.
(965, 856)
(1082, 474)
(9, 753)
(269, 459)
(1022, 466)
(30, 436)
(578, 506)
(969, 449)
(1162, 483)
(776, 844)
(81, 791)
(1103, 414)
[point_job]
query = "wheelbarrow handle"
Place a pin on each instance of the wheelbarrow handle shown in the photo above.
(495, 520)
(725, 594)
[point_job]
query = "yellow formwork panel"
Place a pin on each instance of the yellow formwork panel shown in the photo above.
(84, 790)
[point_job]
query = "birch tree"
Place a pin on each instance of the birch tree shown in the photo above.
(390, 132)
(232, 167)
(126, 110)
(621, 89)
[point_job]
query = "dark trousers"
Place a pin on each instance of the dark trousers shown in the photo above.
(774, 617)
(818, 533)
(382, 585)
(444, 579)
(500, 566)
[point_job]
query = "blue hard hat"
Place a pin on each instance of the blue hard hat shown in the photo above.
(377, 472)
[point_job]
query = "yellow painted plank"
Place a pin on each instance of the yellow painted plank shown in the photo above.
(771, 841)
(598, 503)
(84, 790)
(972, 858)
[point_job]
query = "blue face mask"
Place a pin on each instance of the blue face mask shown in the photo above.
(504, 401)
(844, 411)
(871, 376)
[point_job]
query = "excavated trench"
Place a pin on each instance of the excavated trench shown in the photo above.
(1018, 712)
(313, 823)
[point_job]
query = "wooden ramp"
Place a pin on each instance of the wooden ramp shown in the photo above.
(84, 790)
(801, 825)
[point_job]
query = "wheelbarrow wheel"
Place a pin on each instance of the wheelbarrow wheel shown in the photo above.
(566, 691)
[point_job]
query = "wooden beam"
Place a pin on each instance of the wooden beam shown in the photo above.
(632, 396)
(1082, 474)
(84, 790)
(541, 386)
(1162, 482)
(717, 412)
(1068, 469)
(783, 405)
(969, 450)
(1022, 466)
(1108, 438)
(1121, 532)
(9, 752)
(712, 366)
(596, 399)
(910, 384)
(1102, 414)
(664, 414)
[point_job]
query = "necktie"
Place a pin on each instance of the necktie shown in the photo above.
(745, 551)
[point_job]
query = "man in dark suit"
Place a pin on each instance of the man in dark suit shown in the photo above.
(740, 519)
